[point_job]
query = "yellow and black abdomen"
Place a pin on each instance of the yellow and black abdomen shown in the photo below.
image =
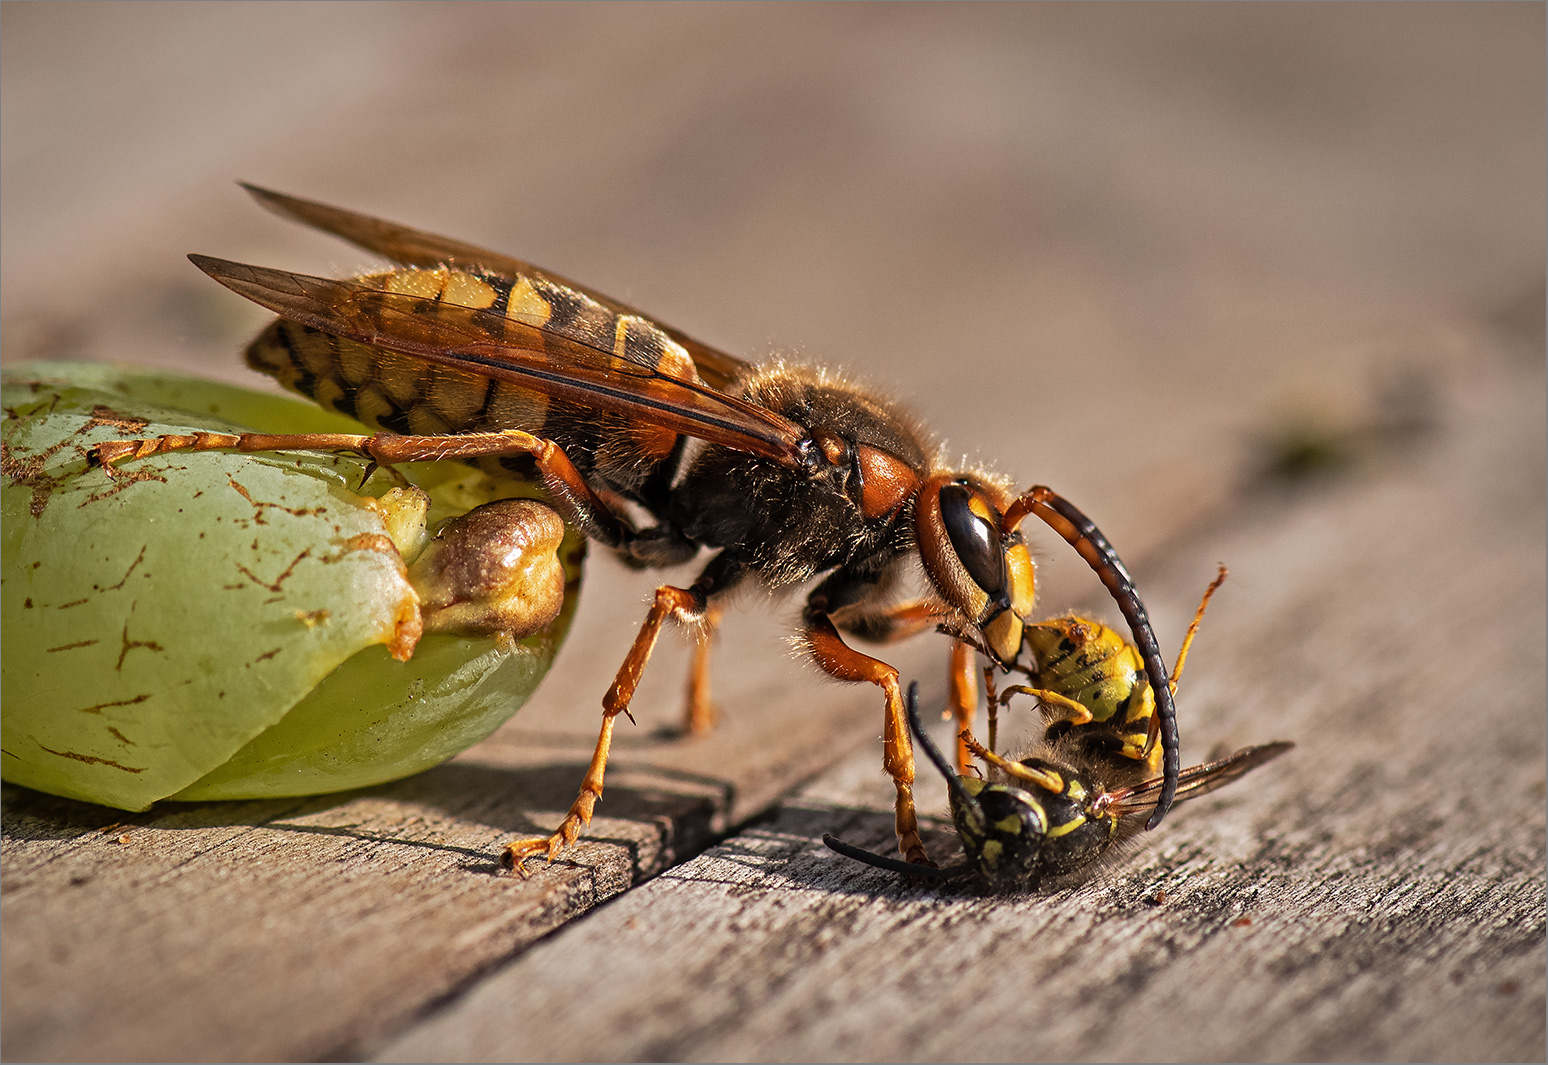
(402, 394)
(1090, 664)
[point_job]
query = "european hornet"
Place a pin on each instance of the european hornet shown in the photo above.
(787, 473)
(1055, 812)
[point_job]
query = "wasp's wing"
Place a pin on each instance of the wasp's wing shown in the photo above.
(1198, 780)
(493, 345)
(413, 247)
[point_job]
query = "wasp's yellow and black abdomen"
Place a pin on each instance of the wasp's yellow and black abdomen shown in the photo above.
(401, 394)
(1093, 665)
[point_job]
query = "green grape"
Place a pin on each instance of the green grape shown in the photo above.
(215, 625)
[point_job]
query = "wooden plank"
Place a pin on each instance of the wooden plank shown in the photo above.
(1377, 894)
(281, 930)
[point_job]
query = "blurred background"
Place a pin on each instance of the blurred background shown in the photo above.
(1019, 204)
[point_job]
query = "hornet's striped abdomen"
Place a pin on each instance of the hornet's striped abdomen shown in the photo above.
(401, 394)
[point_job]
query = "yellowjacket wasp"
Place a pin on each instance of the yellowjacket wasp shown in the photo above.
(1056, 812)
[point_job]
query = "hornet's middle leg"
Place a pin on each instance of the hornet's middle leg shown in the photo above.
(688, 604)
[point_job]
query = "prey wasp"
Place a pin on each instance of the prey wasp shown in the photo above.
(786, 473)
(1056, 812)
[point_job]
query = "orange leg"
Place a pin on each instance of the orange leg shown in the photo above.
(994, 702)
(1055, 707)
(700, 712)
(843, 662)
(963, 686)
(571, 494)
(889, 624)
(1193, 627)
(687, 603)
(1051, 781)
(384, 448)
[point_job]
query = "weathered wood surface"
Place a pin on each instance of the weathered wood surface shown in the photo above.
(1114, 253)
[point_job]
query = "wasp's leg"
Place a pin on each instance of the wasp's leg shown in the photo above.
(572, 496)
(699, 712)
(689, 604)
(1042, 778)
(1193, 626)
(385, 449)
(903, 620)
(899, 621)
(1082, 534)
(1056, 708)
(843, 662)
(962, 683)
(843, 602)
(888, 624)
(993, 702)
(111, 452)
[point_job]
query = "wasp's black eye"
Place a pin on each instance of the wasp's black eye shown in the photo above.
(975, 536)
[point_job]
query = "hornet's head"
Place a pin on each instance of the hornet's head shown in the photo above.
(982, 569)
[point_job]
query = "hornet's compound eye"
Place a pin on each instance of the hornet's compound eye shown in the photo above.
(973, 526)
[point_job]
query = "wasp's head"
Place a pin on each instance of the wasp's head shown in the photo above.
(982, 570)
(1049, 822)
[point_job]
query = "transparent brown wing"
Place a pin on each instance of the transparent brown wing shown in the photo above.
(491, 345)
(413, 247)
(1197, 780)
